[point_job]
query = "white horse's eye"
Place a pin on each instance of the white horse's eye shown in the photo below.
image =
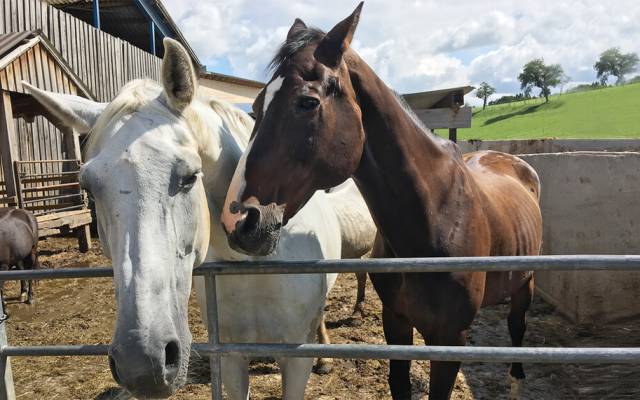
(187, 182)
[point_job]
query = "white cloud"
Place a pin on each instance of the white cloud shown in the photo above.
(421, 45)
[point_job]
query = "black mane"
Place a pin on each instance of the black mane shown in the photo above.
(290, 47)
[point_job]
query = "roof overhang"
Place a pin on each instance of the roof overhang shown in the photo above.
(14, 45)
(441, 98)
(214, 76)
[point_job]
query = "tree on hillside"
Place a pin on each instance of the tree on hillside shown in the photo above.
(536, 73)
(484, 92)
(613, 62)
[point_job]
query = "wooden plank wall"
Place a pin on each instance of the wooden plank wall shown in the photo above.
(40, 139)
(103, 62)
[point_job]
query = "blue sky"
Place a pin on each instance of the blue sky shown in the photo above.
(418, 45)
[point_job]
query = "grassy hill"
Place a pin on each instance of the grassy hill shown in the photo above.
(612, 112)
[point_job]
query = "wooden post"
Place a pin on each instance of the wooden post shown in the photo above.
(453, 134)
(8, 146)
(7, 391)
(84, 238)
(72, 145)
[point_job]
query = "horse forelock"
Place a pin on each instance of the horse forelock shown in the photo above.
(292, 45)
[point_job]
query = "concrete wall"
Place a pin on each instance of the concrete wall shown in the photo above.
(549, 145)
(590, 205)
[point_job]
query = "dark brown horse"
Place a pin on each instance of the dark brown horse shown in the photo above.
(326, 116)
(18, 246)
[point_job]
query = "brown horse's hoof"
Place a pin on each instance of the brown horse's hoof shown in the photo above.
(357, 316)
(323, 366)
(355, 320)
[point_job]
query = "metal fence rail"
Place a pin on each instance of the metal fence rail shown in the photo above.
(216, 349)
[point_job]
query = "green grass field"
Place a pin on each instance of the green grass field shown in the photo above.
(612, 112)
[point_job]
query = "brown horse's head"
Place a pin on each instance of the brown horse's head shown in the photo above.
(308, 136)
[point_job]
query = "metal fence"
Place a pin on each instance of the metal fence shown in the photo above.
(216, 350)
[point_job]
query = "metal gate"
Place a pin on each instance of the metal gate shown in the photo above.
(603, 355)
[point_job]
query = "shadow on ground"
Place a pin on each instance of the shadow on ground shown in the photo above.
(528, 110)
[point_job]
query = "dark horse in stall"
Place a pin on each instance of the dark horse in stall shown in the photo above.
(18, 246)
(326, 116)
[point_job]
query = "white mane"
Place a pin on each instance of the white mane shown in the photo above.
(145, 93)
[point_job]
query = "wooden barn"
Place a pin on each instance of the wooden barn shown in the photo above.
(80, 47)
(39, 159)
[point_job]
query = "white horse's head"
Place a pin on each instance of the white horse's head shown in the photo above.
(146, 153)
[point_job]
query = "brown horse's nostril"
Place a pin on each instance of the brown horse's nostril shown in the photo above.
(172, 355)
(251, 220)
(258, 230)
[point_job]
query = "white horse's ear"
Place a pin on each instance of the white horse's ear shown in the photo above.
(73, 111)
(178, 75)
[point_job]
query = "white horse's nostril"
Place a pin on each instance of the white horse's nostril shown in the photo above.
(172, 355)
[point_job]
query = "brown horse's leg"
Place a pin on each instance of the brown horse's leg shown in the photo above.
(443, 373)
(323, 365)
(520, 302)
(398, 330)
(358, 309)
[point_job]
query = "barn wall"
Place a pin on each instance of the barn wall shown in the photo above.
(39, 139)
(103, 62)
(549, 145)
(590, 205)
(227, 91)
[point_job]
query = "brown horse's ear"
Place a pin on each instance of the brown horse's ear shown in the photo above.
(337, 41)
(298, 25)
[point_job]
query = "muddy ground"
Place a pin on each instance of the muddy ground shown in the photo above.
(82, 311)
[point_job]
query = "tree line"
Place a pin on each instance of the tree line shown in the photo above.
(537, 74)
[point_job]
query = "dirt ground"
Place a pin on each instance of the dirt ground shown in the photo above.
(82, 311)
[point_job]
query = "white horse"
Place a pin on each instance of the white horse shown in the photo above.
(159, 162)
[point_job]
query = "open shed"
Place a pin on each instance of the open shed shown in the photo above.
(40, 160)
(442, 109)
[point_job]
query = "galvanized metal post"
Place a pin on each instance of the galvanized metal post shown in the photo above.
(152, 31)
(96, 14)
(7, 392)
(214, 336)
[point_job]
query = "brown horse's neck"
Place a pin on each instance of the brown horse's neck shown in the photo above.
(406, 173)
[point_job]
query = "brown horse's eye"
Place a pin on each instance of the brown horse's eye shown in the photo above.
(308, 103)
